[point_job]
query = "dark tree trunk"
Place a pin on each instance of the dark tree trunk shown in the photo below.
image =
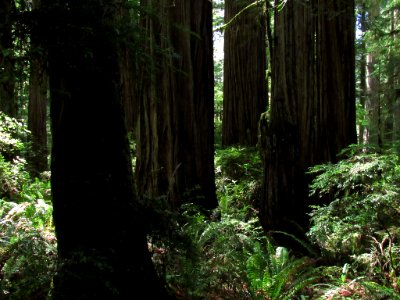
(175, 137)
(37, 117)
(245, 65)
(128, 66)
(313, 105)
(37, 109)
(336, 79)
(7, 74)
(100, 230)
(292, 86)
(128, 89)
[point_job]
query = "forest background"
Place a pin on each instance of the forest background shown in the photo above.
(133, 160)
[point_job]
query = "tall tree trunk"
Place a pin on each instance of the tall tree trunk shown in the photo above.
(98, 221)
(373, 134)
(245, 65)
(37, 116)
(128, 67)
(362, 70)
(7, 74)
(336, 79)
(395, 81)
(312, 108)
(175, 137)
(292, 88)
(37, 108)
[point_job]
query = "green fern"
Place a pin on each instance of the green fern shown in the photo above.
(273, 273)
(365, 189)
(27, 248)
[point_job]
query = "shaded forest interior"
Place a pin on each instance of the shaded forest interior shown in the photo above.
(237, 149)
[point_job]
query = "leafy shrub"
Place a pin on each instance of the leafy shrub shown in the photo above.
(12, 164)
(209, 257)
(12, 177)
(27, 240)
(227, 258)
(238, 179)
(28, 249)
(238, 163)
(361, 225)
(366, 202)
(12, 134)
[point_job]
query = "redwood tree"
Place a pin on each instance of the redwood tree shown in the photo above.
(312, 113)
(127, 19)
(373, 133)
(98, 222)
(37, 108)
(245, 64)
(7, 74)
(175, 134)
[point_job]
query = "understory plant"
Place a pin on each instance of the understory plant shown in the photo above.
(361, 224)
(13, 133)
(238, 173)
(12, 163)
(275, 274)
(225, 254)
(229, 258)
(27, 240)
(27, 249)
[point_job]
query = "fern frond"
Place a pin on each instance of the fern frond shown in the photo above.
(387, 291)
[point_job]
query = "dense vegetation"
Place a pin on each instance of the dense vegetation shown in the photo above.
(350, 250)
(229, 256)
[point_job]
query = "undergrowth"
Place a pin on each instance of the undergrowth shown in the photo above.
(360, 227)
(225, 254)
(228, 256)
(27, 241)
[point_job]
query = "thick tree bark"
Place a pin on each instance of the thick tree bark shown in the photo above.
(391, 94)
(313, 105)
(128, 66)
(7, 74)
(282, 136)
(100, 231)
(373, 133)
(37, 117)
(37, 108)
(336, 79)
(175, 136)
(245, 65)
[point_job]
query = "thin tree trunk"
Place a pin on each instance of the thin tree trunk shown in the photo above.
(362, 71)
